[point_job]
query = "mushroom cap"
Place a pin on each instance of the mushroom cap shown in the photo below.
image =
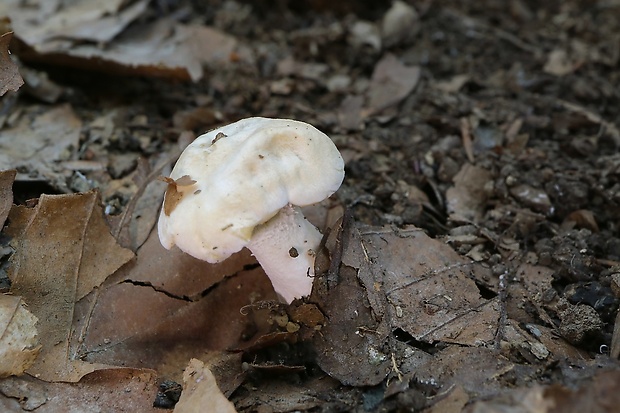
(233, 178)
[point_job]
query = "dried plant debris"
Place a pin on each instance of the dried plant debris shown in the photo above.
(10, 79)
(175, 192)
(200, 390)
(379, 284)
(6, 194)
(597, 394)
(491, 129)
(114, 390)
(70, 34)
(38, 142)
(167, 297)
(52, 274)
(391, 82)
(466, 200)
(18, 336)
(352, 322)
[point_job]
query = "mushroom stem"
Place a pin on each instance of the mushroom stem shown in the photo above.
(285, 247)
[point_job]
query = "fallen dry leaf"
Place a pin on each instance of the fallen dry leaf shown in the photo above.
(175, 303)
(281, 396)
(473, 368)
(200, 390)
(63, 250)
(350, 113)
(72, 34)
(135, 223)
(18, 336)
(378, 286)
(6, 194)
(350, 344)
(597, 393)
(42, 137)
(430, 292)
(111, 390)
(466, 200)
(46, 27)
(391, 82)
(227, 369)
(10, 78)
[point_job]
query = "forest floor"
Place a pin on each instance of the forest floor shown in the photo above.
(471, 258)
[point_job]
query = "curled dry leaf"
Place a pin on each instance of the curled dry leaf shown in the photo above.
(82, 20)
(72, 34)
(10, 78)
(63, 250)
(6, 194)
(200, 390)
(18, 336)
(175, 191)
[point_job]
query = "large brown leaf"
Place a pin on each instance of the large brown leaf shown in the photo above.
(63, 250)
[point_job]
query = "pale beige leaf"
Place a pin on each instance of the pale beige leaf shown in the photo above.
(84, 20)
(200, 391)
(18, 336)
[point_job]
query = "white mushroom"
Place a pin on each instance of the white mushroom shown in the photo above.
(241, 185)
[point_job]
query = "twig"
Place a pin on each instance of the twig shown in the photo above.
(501, 322)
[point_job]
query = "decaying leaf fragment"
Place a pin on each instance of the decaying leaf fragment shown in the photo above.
(177, 304)
(111, 390)
(175, 193)
(350, 345)
(378, 280)
(105, 36)
(200, 391)
(10, 79)
(63, 250)
(467, 198)
(18, 336)
(428, 286)
(40, 138)
(391, 82)
(6, 193)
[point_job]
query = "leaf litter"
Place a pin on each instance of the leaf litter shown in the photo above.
(71, 33)
(474, 271)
